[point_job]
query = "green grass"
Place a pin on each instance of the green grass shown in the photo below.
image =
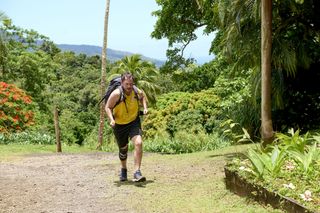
(12, 151)
(188, 183)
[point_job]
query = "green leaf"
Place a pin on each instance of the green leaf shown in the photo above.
(257, 163)
(246, 133)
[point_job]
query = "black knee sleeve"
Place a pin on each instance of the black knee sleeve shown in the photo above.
(123, 153)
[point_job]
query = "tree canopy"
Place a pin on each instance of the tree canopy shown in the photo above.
(237, 27)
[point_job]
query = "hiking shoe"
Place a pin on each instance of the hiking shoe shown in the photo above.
(137, 177)
(123, 175)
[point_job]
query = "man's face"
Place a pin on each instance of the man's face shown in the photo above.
(127, 86)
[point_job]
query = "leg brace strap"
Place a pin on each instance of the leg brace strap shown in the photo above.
(123, 153)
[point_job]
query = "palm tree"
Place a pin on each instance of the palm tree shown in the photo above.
(266, 44)
(239, 39)
(146, 74)
(103, 74)
(243, 25)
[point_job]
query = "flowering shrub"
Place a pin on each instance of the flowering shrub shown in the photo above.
(290, 167)
(15, 108)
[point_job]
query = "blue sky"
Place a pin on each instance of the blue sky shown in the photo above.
(81, 22)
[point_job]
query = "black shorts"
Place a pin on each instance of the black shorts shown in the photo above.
(123, 132)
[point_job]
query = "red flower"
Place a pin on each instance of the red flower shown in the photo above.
(3, 100)
(15, 97)
(27, 100)
(14, 103)
(3, 85)
(16, 118)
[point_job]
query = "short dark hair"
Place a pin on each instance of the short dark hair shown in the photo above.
(126, 75)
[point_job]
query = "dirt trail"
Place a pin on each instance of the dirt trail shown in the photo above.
(89, 183)
(61, 183)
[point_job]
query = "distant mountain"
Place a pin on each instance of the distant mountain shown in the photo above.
(112, 55)
(204, 59)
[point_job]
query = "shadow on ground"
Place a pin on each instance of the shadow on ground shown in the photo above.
(134, 183)
(229, 156)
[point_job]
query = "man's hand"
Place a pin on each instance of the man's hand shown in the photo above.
(112, 123)
(145, 111)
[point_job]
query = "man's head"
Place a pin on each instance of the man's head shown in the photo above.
(127, 80)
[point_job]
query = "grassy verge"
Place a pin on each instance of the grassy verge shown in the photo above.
(14, 151)
(188, 183)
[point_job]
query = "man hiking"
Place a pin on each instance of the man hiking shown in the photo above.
(122, 109)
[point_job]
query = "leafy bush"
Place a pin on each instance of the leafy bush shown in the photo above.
(290, 166)
(293, 141)
(195, 114)
(266, 163)
(27, 137)
(196, 78)
(15, 108)
(269, 161)
(184, 142)
(188, 120)
(305, 159)
(237, 103)
(180, 111)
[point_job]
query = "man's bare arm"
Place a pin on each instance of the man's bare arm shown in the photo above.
(143, 101)
(114, 97)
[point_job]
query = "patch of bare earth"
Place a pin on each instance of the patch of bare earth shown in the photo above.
(61, 183)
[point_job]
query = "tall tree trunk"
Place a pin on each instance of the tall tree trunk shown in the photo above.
(57, 128)
(103, 75)
(266, 45)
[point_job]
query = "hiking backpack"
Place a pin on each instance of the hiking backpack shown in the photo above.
(114, 84)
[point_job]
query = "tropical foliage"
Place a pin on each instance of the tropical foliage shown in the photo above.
(27, 137)
(174, 112)
(290, 166)
(217, 98)
(15, 108)
(236, 25)
(192, 107)
(146, 74)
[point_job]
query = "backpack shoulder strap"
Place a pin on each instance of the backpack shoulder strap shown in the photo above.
(121, 98)
(136, 93)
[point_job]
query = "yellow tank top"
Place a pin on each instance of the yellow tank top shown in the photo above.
(127, 110)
